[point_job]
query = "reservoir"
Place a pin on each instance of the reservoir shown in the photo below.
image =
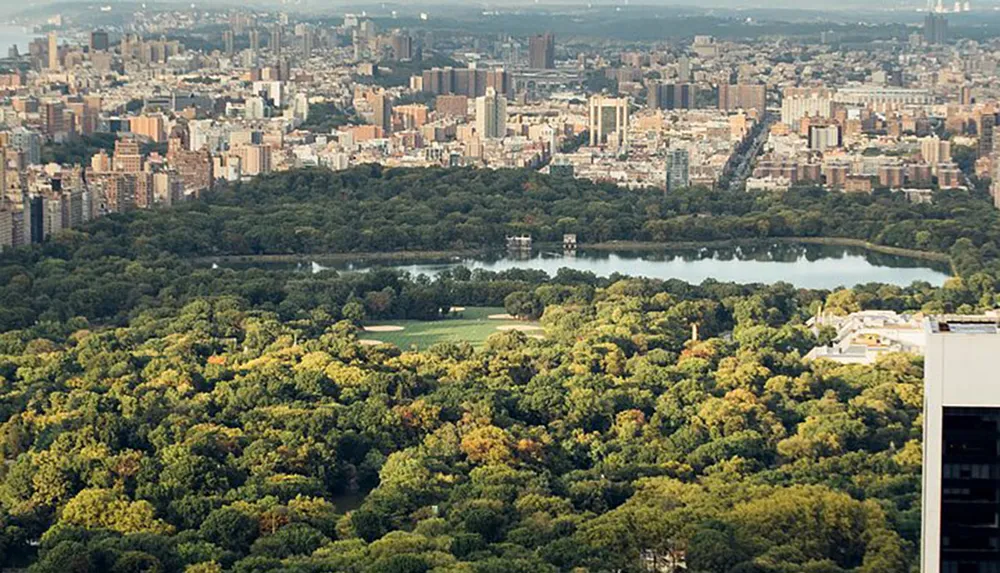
(804, 266)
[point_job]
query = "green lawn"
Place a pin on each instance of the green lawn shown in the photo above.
(470, 325)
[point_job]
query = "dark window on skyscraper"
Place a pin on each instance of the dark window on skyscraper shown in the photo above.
(970, 502)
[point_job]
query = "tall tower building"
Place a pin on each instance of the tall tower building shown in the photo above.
(34, 218)
(671, 96)
(402, 46)
(127, 157)
(275, 41)
(684, 69)
(935, 151)
(608, 121)
(53, 119)
(935, 28)
(542, 52)
(678, 169)
(382, 105)
(254, 40)
(53, 49)
(742, 96)
(228, 42)
(961, 489)
(987, 128)
(491, 115)
(306, 41)
(255, 159)
(99, 41)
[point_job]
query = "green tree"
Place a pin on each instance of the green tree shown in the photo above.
(230, 529)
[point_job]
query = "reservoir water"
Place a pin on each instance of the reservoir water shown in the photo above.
(805, 266)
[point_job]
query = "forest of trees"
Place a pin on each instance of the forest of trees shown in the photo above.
(221, 437)
(161, 416)
(375, 209)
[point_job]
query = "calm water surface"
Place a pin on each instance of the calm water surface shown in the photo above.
(806, 266)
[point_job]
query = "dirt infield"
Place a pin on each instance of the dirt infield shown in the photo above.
(384, 328)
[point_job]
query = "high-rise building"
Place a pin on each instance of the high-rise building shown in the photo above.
(986, 126)
(6, 227)
(53, 51)
(194, 167)
(307, 42)
(99, 41)
(368, 29)
(34, 219)
(152, 127)
(891, 176)
(411, 116)
(255, 159)
(678, 169)
(471, 82)
(797, 104)
(935, 28)
(961, 442)
(671, 96)
(254, 108)
(949, 176)
(52, 212)
(254, 40)
(127, 157)
(542, 52)
(824, 137)
(28, 143)
(53, 118)
(300, 106)
(491, 115)
(35, 212)
(117, 191)
(684, 69)
(608, 121)
(382, 106)
(168, 188)
(228, 42)
(365, 39)
(275, 40)
(402, 46)
(935, 151)
(742, 96)
(272, 92)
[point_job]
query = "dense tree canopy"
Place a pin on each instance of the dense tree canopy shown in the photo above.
(371, 209)
(224, 437)
(163, 416)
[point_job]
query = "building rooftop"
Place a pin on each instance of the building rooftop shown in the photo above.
(987, 324)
